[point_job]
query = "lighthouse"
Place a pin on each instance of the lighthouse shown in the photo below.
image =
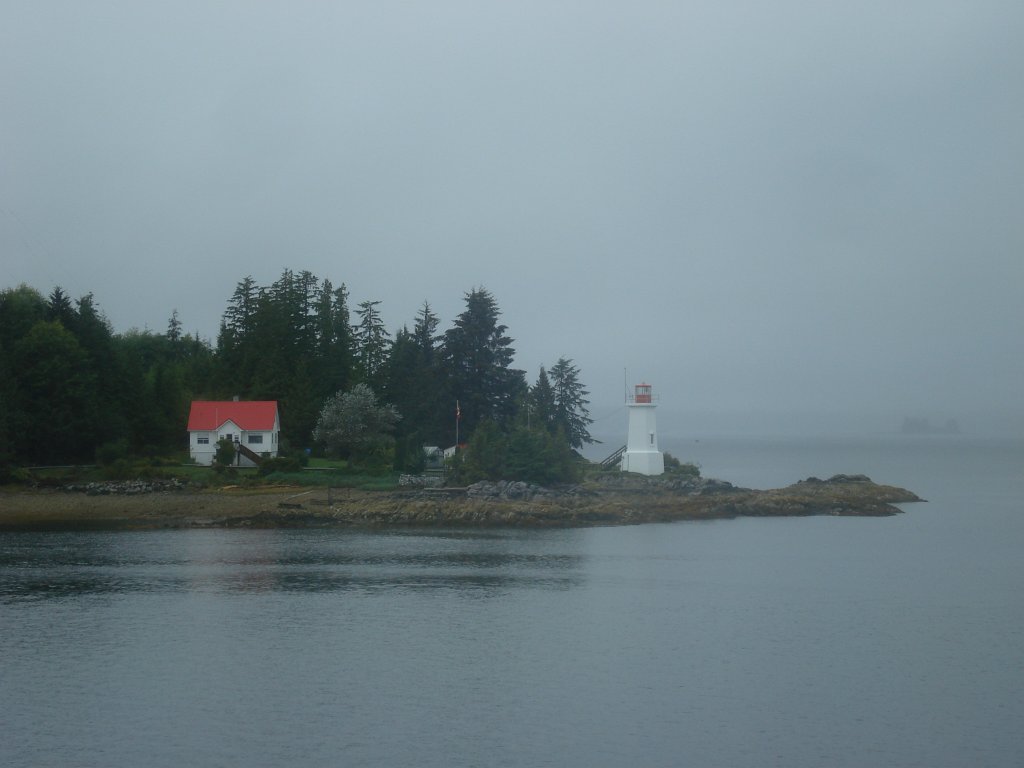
(642, 455)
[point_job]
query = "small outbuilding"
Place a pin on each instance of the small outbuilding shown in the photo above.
(433, 457)
(254, 426)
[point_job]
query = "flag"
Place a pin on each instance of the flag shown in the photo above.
(458, 411)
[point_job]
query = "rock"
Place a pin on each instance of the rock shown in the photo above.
(127, 487)
(508, 490)
(710, 485)
(421, 481)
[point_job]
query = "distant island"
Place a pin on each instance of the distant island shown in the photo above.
(918, 426)
(611, 499)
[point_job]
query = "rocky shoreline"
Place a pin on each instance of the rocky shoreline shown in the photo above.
(614, 499)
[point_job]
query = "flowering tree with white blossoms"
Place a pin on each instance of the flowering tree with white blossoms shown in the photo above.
(353, 425)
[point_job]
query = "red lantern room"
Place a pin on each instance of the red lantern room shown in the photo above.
(643, 393)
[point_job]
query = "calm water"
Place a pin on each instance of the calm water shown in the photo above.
(790, 642)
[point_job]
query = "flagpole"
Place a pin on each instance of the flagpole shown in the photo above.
(458, 417)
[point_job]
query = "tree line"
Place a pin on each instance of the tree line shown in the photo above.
(70, 385)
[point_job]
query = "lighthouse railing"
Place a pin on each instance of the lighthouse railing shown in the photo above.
(642, 399)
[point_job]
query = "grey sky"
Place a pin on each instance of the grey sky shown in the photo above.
(758, 207)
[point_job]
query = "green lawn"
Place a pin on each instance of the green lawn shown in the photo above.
(315, 463)
(320, 472)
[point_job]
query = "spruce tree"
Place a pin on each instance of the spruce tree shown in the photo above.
(57, 395)
(372, 342)
(542, 403)
(571, 414)
(59, 308)
(332, 370)
(477, 358)
(174, 328)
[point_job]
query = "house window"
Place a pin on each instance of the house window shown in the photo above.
(203, 440)
(255, 439)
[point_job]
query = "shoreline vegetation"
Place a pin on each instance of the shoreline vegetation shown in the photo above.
(612, 499)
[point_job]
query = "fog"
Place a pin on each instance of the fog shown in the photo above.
(796, 214)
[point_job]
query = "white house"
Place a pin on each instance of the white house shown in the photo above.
(253, 426)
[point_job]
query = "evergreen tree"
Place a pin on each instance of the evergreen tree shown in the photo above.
(59, 308)
(477, 358)
(275, 342)
(402, 374)
(96, 338)
(570, 398)
(265, 332)
(300, 407)
(372, 342)
(332, 369)
(236, 343)
(238, 317)
(541, 403)
(304, 312)
(538, 456)
(174, 328)
(57, 396)
(166, 393)
(424, 333)
(485, 454)
(150, 421)
(162, 377)
(412, 382)
(430, 410)
(528, 454)
(290, 342)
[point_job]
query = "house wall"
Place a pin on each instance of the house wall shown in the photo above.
(258, 441)
(202, 453)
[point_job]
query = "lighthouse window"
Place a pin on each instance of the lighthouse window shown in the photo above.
(652, 438)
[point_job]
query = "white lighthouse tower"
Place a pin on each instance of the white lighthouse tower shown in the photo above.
(642, 455)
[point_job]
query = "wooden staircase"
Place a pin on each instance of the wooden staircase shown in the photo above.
(249, 453)
(615, 458)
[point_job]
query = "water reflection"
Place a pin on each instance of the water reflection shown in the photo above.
(47, 566)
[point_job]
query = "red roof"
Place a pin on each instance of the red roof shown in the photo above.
(252, 415)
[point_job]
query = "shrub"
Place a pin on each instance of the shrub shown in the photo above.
(225, 471)
(676, 467)
(12, 474)
(409, 455)
(120, 469)
(225, 454)
(534, 455)
(377, 458)
(108, 453)
(279, 464)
